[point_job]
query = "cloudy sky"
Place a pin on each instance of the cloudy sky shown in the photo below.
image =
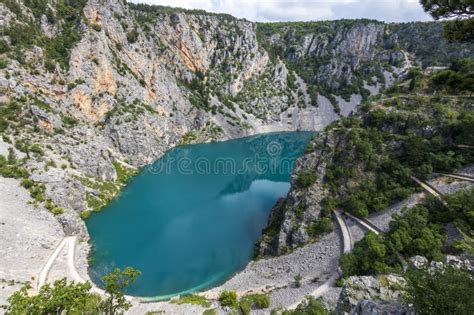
(306, 10)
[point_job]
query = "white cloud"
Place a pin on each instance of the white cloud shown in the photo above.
(306, 10)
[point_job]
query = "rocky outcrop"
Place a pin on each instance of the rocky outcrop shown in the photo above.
(370, 295)
(364, 295)
(292, 218)
(420, 262)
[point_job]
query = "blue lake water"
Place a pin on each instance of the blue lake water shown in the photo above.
(190, 221)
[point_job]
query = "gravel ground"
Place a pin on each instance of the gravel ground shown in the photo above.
(28, 236)
(356, 230)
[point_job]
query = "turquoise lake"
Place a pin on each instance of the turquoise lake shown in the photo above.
(190, 221)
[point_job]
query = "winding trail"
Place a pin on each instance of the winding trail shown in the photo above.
(70, 241)
(346, 234)
(43, 275)
(365, 223)
(430, 189)
(346, 248)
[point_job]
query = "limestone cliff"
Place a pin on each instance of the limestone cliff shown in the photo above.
(92, 90)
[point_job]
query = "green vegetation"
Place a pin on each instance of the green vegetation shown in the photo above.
(322, 226)
(74, 298)
(192, 299)
(61, 297)
(298, 279)
(9, 115)
(306, 178)
(253, 301)
(246, 303)
(458, 79)
(311, 307)
(124, 173)
(114, 284)
(105, 191)
(426, 42)
(308, 66)
(158, 9)
(188, 137)
(26, 31)
(132, 36)
(461, 28)
(447, 291)
(228, 298)
(371, 167)
(12, 167)
(128, 112)
(418, 232)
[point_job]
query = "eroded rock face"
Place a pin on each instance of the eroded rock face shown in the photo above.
(365, 295)
(371, 295)
(137, 81)
(292, 217)
(132, 91)
(368, 307)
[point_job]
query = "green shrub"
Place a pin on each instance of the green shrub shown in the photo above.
(306, 178)
(323, 225)
(298, 279)
(192, 299)
(57, 210)
(124, 173)
(310, 307)
(447, 291)
(258, 300)
(27, 183)
(3, 63)
(85, 214)
(228, 298)
(4, 47)
(97, 27)
(132, 36)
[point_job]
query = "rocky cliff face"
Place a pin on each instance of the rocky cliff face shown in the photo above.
(292, 220)
(95, 89)
(373, 295)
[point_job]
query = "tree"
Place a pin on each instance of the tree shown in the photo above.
(368, 257)
(62, 297)
(74, 298)
(447, 291)
(448, 8)
(459, 29)
(115, 283)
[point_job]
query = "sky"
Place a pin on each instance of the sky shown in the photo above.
(306, 10)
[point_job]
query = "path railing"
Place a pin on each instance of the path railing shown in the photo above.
(458, 176)
(365, 223)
